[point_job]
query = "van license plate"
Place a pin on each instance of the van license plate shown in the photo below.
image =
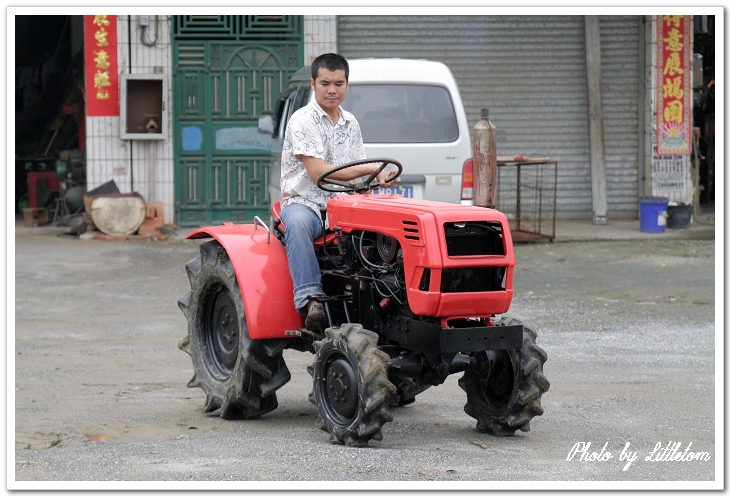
(405, 191)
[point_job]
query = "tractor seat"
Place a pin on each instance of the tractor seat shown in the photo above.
(329, 237)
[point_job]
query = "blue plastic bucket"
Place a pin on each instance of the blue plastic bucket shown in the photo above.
(653, 214)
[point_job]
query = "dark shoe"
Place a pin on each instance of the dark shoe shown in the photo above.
(316, 320)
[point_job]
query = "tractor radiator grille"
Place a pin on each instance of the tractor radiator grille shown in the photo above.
(472, 279)
(473, 238)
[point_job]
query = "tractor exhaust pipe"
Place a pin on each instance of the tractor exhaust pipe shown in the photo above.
(485, 162)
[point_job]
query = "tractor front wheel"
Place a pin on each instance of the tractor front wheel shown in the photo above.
(351, 388)
(504, 388)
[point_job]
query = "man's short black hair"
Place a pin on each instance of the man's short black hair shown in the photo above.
(331, 62)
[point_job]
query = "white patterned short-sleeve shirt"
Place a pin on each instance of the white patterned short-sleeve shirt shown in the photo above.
(311, 132)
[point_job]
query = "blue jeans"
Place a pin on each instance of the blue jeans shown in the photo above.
(303, 226)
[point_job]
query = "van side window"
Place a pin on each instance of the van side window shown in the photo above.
(282, 111)
(302, 98)
(294, 99)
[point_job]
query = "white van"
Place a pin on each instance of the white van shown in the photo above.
(408, 110)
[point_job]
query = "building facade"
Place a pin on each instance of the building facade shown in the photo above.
(221, 72)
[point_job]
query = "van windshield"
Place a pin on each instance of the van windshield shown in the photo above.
(402, 113)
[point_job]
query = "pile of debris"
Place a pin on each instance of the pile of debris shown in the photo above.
(110, 215)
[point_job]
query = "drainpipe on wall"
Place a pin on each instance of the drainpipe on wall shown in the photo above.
(595, 120)
(644, 111)
(129, 56)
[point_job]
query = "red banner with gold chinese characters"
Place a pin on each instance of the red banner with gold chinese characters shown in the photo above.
(674, 91)
(102, 74)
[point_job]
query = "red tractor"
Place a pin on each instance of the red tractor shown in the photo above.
(413, 290)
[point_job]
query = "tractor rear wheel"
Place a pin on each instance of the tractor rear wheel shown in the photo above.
(239, 375)
(351, 387)
(503, 390)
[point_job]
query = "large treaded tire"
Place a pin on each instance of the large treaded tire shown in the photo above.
(239, 375)
(350, 385)
(510, 398)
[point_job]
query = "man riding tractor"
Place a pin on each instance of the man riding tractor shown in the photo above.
(391, 294)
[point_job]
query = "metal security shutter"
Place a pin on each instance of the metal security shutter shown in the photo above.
(530, 72)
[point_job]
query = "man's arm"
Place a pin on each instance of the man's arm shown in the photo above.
(316, 167)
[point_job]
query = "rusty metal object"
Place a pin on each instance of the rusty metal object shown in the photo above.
(485, 162)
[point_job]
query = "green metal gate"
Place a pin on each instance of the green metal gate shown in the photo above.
(228, 70)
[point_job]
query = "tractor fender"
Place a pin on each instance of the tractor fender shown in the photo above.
(262, 271)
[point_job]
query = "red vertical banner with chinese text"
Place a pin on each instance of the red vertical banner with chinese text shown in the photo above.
(674, 90)
(101, 65)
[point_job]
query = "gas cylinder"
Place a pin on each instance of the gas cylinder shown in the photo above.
(75, 198)
(485, 161)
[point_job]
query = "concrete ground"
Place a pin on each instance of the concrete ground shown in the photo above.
(574, 230)
(98, 398)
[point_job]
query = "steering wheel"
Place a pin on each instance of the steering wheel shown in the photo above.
(361, 184)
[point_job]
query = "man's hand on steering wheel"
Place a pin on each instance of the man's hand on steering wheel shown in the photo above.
(386, 177)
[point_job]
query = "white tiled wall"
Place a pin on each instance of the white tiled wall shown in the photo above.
(129, 162)
(320, 36)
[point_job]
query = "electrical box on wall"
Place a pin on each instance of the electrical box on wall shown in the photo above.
(143, 115)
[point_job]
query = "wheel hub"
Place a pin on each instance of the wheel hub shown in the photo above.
(341, 388)
(224, 331)
(500, 381)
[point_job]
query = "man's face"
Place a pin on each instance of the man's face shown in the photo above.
(329, 89)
